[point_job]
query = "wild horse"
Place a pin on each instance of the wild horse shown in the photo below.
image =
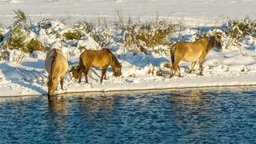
(56, 65)
(192, 51)
(99, 59)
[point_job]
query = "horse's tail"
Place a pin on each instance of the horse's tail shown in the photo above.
(172, 53)
(50, 59)
(80, 65)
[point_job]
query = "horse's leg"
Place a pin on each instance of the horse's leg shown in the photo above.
(192, 67)
(61, 82)
(201, 61)
(175, 67)
(80, 72)
(178, 69)
(86, 70)
(103, 74)
(79, 81)
(171, 71)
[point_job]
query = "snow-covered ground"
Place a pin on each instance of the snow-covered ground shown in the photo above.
(235, 65)
(92, 9)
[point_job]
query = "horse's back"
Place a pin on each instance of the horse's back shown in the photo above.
(96, 58)
(50, 57)
(55, 58)
(188, 51)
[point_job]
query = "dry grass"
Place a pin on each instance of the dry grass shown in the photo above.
(147, 35)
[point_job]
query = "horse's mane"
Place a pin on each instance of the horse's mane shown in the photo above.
(205, 37)
(114, 58)
(116, 61)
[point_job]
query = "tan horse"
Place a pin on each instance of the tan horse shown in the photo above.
(56, 65)
(192, 51)
(98, 59)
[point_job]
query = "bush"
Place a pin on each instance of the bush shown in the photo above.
(16, 39)
(74, 34)
(146, 35)
(21, 20)
(85, 26)
(4, 55)
(102, 35)
(34, 45)
(238, 29)
(45, 24)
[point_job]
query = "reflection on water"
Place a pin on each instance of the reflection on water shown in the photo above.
(171, 116)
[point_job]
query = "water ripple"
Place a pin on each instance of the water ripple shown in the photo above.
(174, 116)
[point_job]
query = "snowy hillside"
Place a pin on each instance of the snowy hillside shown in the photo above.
(24, 73)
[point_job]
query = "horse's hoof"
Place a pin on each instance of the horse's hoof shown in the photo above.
(50, 97)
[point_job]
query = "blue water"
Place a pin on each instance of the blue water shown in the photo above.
(210, 115)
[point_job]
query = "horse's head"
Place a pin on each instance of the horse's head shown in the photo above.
(52, 85)
(218, 40)
(117, 70)
(75, 72)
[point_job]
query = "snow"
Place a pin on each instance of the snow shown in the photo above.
(234, 65)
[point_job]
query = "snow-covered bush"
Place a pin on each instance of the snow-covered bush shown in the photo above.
(73, 34)
(102, 35)
(18, 36)
(238, 29)
(16, 39)
(148, 35)
(4, 54)
(34, 45)
(12, 55)
(86, 26)
(21, 20)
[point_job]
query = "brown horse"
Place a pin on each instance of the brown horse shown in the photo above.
(56, 65)
(192, 51)
(98, 59)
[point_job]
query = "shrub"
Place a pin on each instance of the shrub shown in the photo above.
(16, 39)
(146, 35)
(4, 55)
(45, 24)
(21, 20)
(34, 45)
(238, 29)
(85, 26)
(102, 35)
(73, 34)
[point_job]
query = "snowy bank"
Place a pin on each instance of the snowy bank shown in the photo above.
(24, 74)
